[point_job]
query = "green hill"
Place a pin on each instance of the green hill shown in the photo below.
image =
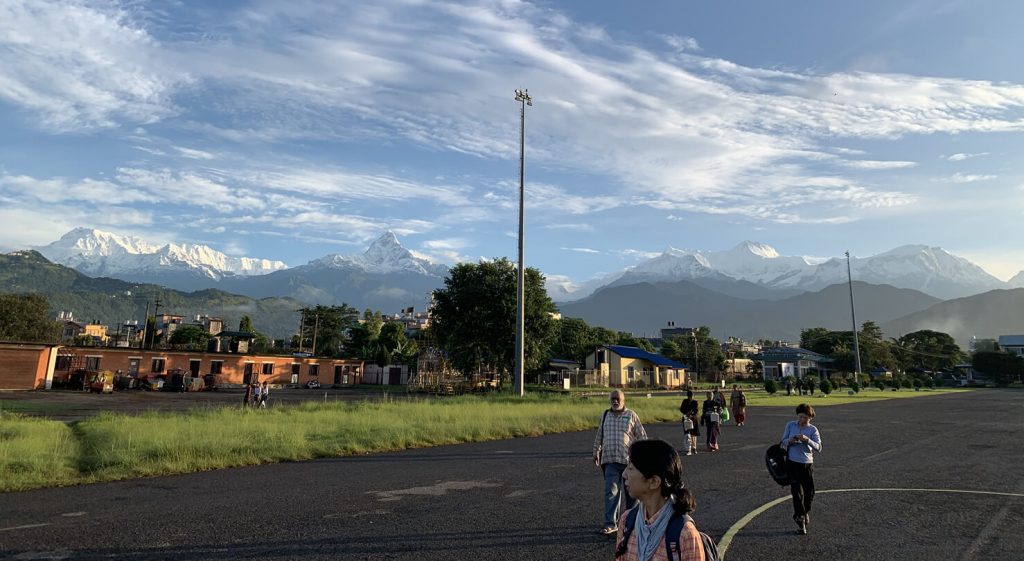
(110, 301)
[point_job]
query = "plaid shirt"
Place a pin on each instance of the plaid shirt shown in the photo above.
(690, 546)
(616, 433)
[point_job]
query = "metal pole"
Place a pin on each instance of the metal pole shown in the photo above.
(696, 357)
(853, 315)
(524, 99)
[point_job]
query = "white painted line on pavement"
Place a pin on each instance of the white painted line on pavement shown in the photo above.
(726, 541)
(25, 527)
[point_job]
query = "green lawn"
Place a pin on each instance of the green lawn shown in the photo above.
(40, 453)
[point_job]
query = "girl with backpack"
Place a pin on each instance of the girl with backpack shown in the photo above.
(801, 440)
(659, 528)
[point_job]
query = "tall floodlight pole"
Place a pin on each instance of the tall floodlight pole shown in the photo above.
(696, 357)
(853, 315)
(524, 99)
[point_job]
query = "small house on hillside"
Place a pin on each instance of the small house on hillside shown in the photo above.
(624, 366)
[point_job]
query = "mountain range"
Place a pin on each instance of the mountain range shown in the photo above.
(113, 301)
(749, 291)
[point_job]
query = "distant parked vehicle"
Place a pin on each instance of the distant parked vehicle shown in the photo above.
(152, 383)
(313, 384)
(179, 381)
(102, 382)
(211, 382)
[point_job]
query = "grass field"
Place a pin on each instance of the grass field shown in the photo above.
(43, 453)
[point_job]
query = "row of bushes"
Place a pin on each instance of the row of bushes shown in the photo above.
(826, 387)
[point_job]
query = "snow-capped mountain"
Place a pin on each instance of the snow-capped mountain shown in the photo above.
(931, 270)
(1017, 281)
(385, 255)
(98, 253)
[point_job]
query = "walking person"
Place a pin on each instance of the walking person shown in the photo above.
(257, 394)
(619, 429)
(738, 404)
(661, 520)
(711, 417)
(264, 394)
(691, 423)
(801, 440)
(247, 400)
(789, 386)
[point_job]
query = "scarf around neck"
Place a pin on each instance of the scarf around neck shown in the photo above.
(650, 536)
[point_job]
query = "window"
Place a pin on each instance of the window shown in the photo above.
(63, 362)
(314, 369)
(158, 365)
(92, 363)
(216, 366)
(268, 368)
(295, 368)
(630, 372)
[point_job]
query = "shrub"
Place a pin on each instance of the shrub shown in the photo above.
(879, 384)
(826, 386)
(854, 386)
(917, 383)
(930, 382)
(770, 387)
(906, 383)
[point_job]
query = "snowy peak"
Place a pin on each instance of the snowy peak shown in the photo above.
(757, 249)
(385, 255)
(95, 252)
(1017, 281)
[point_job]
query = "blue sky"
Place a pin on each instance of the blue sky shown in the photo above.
(291, 130)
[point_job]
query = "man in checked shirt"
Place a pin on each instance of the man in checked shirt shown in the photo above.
(619, 428)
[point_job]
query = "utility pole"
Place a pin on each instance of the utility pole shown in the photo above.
(145, 327)
(524, 99)
(316, 326)
(302, 326)
(853, 315)
(696, 356)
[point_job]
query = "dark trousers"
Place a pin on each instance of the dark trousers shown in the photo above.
(801, 484)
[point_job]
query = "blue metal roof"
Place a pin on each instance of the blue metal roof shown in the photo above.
(635, 352)
(789, 354)
(1011, 340)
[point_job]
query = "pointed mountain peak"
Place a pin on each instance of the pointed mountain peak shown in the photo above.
(756, 248)
(387, 240)
(1017, 281)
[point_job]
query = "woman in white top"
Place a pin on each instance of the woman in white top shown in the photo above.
(801, 440)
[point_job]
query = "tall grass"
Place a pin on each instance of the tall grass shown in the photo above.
(36, 453)
(40, 453)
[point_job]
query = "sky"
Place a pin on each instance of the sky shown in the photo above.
(290, 130)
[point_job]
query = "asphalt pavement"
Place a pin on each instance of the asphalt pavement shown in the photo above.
(937, 477)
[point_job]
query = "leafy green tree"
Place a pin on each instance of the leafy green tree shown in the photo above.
(986, 345)
(245, 325)
(627, 339)
(474, 317)
(671, 349)
(575, 340)
(26, 317)
(190, 336)
(927, 350)
(710, 360)
(329, 327)
(1003, 367)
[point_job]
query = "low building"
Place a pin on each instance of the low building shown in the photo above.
(631, 366)
(783, 362)
(27, 366)
(1012, 344)
(33, 366)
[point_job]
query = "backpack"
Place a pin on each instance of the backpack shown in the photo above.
(675, 526)
(775, 460)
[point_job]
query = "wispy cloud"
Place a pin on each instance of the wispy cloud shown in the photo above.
(580, 249)
(961, 156)
(969, 177)
(876, 164)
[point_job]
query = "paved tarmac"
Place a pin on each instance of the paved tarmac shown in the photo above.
(937, 477)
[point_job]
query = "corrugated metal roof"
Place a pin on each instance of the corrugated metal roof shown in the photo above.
(636, 352)
(1011, 340)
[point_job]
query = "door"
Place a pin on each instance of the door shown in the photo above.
(133, 366)
(337, 375)
(247, 375)
(193, 367)
(394, 376)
